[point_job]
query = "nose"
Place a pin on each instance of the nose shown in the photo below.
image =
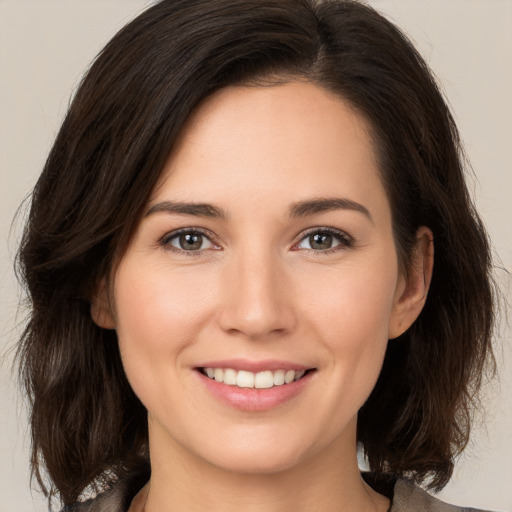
(256, 297)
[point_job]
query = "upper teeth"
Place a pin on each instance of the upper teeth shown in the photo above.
(259, 380)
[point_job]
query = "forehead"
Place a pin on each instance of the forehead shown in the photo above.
(296, 138)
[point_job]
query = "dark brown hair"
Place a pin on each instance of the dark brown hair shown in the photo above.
(88, 427)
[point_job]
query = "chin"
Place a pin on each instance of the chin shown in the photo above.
(259, 452)
(262, 463)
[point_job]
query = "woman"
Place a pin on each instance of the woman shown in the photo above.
(230, 258)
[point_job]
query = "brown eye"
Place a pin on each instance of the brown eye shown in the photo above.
(325, 239)
(190, 242)
(187, 241)
(320, 241)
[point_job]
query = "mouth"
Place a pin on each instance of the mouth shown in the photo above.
(265, 379)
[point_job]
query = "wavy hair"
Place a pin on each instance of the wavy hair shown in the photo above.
(88, 427)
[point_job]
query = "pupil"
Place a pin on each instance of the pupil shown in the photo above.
(191, 242)
(320, 241)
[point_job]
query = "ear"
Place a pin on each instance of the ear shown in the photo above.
(412, 288)
(101, 309)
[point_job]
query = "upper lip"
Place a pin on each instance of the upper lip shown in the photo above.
(254, 366)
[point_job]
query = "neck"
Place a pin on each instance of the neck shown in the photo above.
(329, 480)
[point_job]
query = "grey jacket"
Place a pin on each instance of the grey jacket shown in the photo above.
(407, 497)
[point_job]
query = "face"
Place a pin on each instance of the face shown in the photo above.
(255, 302)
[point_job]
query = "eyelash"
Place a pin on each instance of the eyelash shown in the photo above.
(166, 239)
(345, 241)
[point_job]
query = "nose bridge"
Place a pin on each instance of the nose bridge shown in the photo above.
(256, 302)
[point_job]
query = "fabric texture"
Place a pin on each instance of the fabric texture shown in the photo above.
(410, 497)
(407, 497)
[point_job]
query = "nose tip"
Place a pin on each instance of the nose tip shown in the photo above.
(256, 302)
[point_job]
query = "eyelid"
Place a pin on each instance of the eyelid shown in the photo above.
(342, 236)
(165, 239)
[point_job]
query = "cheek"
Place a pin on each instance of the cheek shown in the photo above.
(353, 303)
(157, 317)
(154, 307)
(352, 318)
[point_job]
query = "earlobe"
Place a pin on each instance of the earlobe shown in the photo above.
(412, 293)
(101, 309)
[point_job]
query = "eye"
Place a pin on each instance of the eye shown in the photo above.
(187, 241)
(325, 240)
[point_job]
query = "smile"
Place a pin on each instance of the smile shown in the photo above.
(258, 380)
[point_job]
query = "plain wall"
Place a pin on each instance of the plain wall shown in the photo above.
(45, 45)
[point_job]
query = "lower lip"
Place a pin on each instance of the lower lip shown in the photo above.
(251, 399)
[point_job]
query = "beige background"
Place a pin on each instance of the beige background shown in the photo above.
(45, 45)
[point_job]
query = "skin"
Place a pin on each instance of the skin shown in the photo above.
(258, 289)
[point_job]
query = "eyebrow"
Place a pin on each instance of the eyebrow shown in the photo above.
(181, 208)
(321, 205)
(298, 209)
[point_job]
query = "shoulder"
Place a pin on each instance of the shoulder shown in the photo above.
(408, 497)
(112, 500)
(117, 498)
